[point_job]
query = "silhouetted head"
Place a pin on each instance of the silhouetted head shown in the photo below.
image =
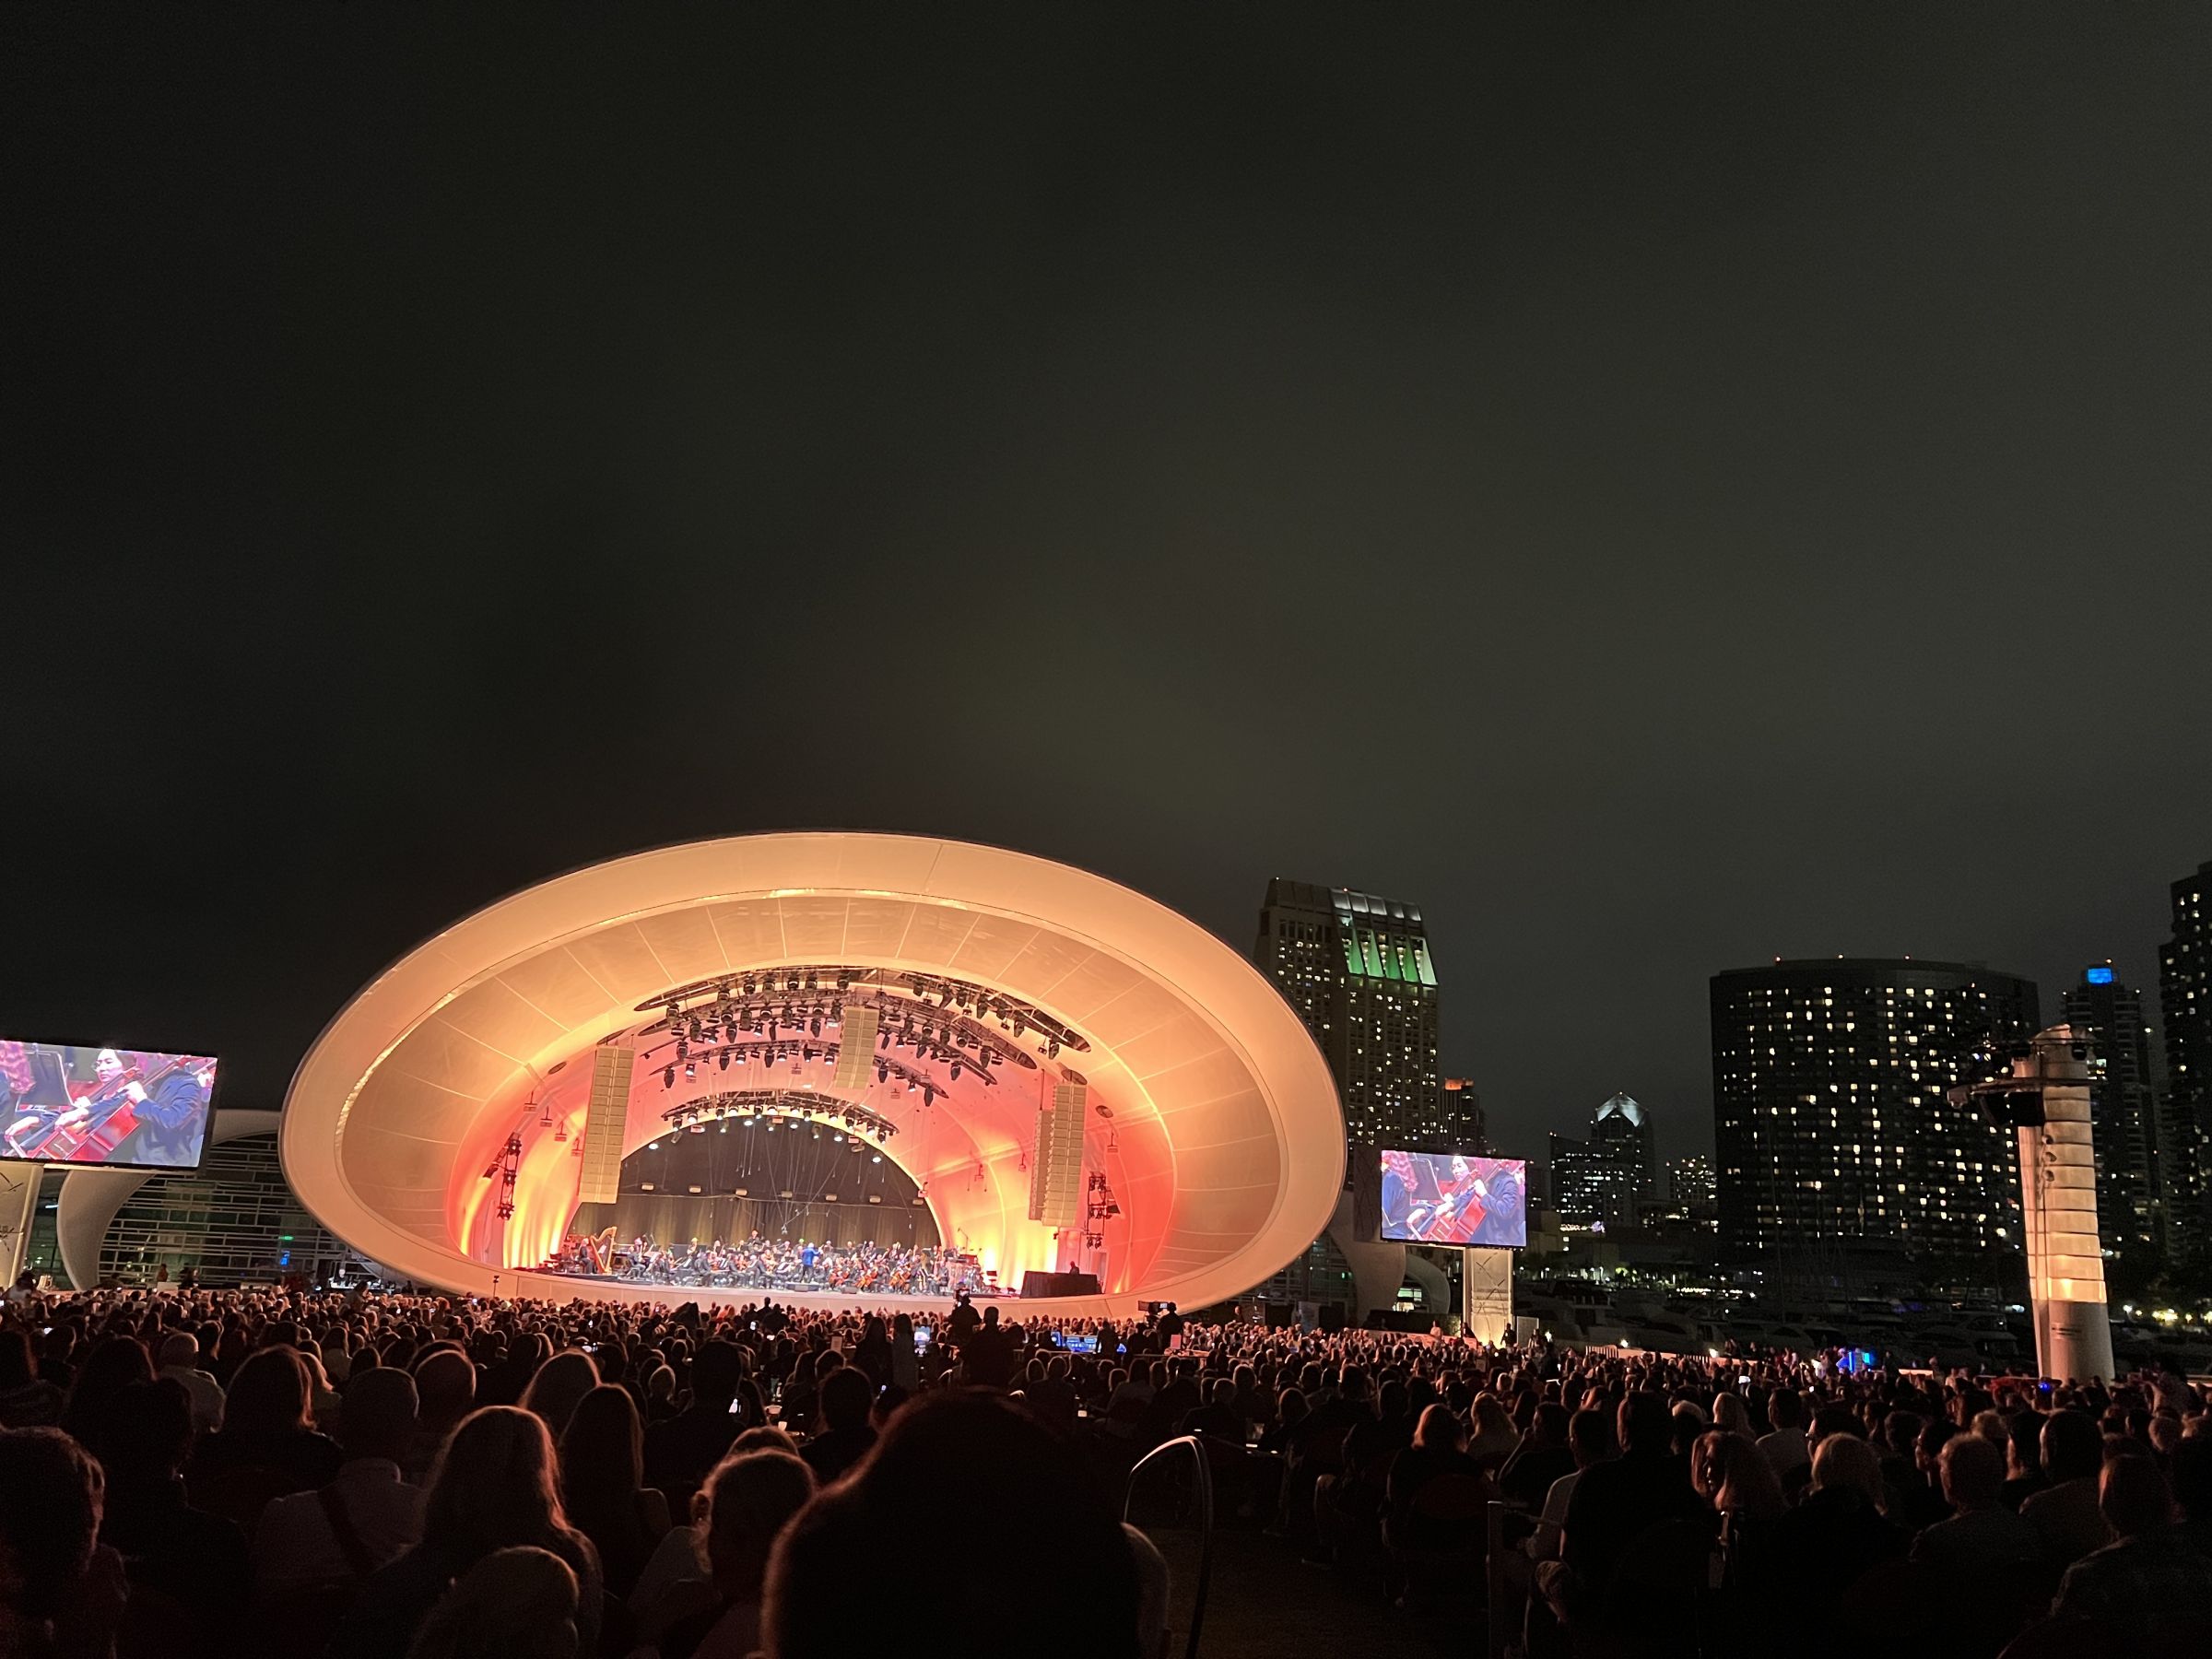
(967, 1466)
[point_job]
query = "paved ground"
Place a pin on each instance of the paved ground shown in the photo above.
(1269, 1605)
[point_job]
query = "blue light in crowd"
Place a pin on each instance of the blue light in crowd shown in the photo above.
(2100, 976)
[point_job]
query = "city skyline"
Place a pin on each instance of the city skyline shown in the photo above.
(1576, 477)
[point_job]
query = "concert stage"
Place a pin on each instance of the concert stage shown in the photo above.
(1064, 1073)
(561, 1288)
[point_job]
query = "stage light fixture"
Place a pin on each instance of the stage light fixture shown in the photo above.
(668, 1077)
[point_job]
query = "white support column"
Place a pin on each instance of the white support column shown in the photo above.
(18, 1209)
(1487, 1294)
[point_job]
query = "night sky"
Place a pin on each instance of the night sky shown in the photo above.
(1659, 489)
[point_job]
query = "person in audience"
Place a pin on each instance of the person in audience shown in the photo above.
(602, 1486)
(1614, 1501)
(180, 1358)
(872, 1353)
(518, 1603)
(27, 1399)
(660, 1393)
(445, 1388)
(2152, 1578)
(1541, 1458)
(505, 1382)
(1493, 1439)
(1438, 1451)
(1833, 1538)
(846, 1434)
(365, 1518)
(268, 1423)
(494, 1487)
(1590, 1442)
(983, 1470)
(905, 1361)
(680, 1452)
(1785, 1443)
(2192, 1476)
(1734, 1475)
(62, 1592)
(1982, 1536)
(190, 1564)
(2023, 1474)
(2064, 1514)
(987, 1353)
(562, 1381)
(750, 1498)
(114, 1364)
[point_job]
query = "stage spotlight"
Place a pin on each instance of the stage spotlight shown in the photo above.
(722, 1060)
(878, 1158)
(668, 1077)
(690, 1070)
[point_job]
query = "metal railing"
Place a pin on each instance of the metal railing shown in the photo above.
(1203, 1487)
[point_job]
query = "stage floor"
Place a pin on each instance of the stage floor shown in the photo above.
(561, 1288)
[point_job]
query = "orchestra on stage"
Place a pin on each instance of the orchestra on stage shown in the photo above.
(762, 1264)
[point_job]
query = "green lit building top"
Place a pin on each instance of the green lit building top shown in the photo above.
(1360, 972)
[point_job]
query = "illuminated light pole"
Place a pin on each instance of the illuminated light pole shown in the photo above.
(2045, 1099)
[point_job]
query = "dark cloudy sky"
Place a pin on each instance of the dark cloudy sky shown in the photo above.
(1660, 488)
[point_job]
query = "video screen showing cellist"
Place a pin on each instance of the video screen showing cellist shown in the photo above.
(1455, 1198)
(64, 1103)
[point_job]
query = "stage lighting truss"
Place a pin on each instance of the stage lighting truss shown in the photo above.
(807, 999)
(506, 1167)
(773, 1106)
(950, 1039)
(765, 1056)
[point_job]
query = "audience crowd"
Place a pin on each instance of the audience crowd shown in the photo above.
(373, 1476)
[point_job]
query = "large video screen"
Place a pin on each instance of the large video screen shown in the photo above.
(1454, 1198)
(125, 1108)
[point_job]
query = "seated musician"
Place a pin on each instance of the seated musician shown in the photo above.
(114, 1086)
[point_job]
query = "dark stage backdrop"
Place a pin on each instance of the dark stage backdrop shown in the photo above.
(686, 1186)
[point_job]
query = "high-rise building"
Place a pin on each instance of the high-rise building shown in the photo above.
(1464, 1123)
(1829, 1114)
(1601, 1178)
(1358, 970)
(2185, 1010)
(1690, 1185)
(2123, 1108)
